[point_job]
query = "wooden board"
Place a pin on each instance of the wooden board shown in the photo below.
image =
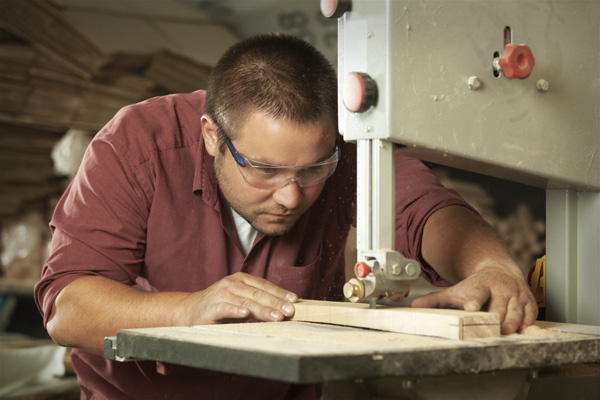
(450, 324)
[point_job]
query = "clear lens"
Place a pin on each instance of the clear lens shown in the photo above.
(265, 176)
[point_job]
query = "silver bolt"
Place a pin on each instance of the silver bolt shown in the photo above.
(410, 269)
(497, 67)
(369, 128)
(396, 270)
(369, 34)
(543, 85)
(474, 83)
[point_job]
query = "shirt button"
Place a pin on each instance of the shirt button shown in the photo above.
(233, 378)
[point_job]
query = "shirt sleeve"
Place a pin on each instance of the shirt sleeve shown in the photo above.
(418, 195)
(98, 226)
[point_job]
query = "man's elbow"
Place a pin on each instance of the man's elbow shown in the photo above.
(57, 330)
(62, 323)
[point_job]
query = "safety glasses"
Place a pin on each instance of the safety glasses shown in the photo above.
(272, 177)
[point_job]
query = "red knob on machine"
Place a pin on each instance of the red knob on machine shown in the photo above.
(517, 61)
(359, 92)
(334, 8)
(361, 270)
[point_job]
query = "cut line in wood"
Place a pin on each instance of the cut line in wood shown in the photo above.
(450, 324)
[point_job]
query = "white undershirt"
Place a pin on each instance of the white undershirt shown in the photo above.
(246, 233)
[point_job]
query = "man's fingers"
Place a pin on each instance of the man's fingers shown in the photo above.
(475, 298)
(513, 318)
(472, 299)
(237, 297)
(441, 299)
(255, 299)
(264, 300)
(268, 287)
(261, 311)
(233, 307)
(531, 313)
(227, 311)
(431, 300)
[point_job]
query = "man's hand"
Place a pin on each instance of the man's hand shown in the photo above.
(91, 308)
(237, 297)
(466, 251)
(493, 289)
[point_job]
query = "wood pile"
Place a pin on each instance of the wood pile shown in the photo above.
(52, 79)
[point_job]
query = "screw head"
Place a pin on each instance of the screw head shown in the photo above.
(410, 269)
(543, 85)
(474, 83)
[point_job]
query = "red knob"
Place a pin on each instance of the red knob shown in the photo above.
(359, 92)
(361, 270)
(334, 8)
(517, 61)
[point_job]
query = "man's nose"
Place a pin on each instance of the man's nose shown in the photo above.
(290, 195)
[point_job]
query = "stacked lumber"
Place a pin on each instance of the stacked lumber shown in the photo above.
(176, 73)
(52, 75)
(54, 79)
(35, 88)
(40, 23)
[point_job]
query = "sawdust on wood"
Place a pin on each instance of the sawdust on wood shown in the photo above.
(541, 332)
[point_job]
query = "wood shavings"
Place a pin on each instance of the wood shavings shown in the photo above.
(541, 332)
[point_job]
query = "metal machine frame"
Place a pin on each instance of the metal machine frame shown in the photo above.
(441, 92)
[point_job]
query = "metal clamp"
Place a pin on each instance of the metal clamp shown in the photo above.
(111, 349)
(383, 273)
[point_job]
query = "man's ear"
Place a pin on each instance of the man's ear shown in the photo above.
(210, 135)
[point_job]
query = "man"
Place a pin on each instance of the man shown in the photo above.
(228, 205)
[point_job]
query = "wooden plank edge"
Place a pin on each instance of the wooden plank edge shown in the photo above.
(450, 324)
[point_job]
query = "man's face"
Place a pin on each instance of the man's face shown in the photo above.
(278, 142)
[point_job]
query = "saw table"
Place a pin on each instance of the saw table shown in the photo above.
(303, 352)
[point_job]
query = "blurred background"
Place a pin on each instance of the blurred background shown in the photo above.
(67, 66)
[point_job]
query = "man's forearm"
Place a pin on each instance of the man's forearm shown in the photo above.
(457, 242)
(91, 308)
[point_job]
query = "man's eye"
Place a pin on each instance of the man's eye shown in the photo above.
(316, 170)
(266, 170)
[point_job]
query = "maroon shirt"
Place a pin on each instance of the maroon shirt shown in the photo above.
(145, 210)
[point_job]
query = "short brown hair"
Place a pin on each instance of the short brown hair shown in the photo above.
(277, 74)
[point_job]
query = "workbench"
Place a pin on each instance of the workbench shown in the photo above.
(301, 352)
